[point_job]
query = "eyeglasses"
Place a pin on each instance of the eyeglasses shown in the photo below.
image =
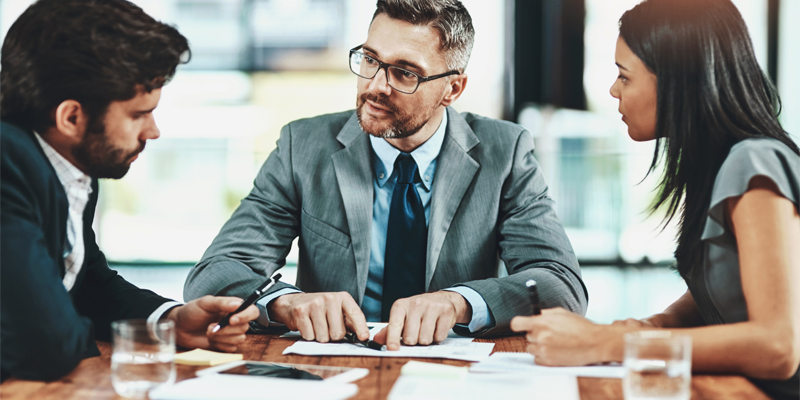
(402, 80)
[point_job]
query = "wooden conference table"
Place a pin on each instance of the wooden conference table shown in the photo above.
(92, 378)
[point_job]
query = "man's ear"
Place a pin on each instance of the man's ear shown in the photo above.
(71, 120)
(455, 88)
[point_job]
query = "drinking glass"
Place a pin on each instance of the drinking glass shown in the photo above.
(658, 366)
(143, 357)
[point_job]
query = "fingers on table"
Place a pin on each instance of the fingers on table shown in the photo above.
(394, 330)
(443, 326)
(355, 320)
(327, 317)
(318, 311)
(412, 324)
(301, 319)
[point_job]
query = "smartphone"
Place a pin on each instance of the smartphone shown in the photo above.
(287, 371)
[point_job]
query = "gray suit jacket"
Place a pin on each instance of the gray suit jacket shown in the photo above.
(489, 199)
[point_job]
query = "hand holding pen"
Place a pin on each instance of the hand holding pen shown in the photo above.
(370, 344)
(250, 300)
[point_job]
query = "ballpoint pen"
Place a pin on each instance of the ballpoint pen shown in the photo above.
(249, 301)
(352, 338)
(533, 294)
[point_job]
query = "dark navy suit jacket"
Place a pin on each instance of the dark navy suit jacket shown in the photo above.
(46, 331)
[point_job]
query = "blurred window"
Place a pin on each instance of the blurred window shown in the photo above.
(256, 65)
(259, 64)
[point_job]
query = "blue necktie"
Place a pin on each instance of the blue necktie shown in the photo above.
(406, 238)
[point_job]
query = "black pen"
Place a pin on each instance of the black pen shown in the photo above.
(249, 301)
(533, 293)
(352, 338)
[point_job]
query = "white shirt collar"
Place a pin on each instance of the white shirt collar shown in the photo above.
(68, 174)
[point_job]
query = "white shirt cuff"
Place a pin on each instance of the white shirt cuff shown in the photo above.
(480, 311)
(263, 318)
(155, 316)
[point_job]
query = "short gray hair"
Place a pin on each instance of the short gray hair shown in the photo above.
(449, 17)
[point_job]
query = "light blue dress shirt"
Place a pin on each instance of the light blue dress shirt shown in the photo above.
(385, 178)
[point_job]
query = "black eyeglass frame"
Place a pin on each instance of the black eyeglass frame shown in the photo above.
(384, 66)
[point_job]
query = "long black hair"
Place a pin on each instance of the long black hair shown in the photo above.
(711, 95)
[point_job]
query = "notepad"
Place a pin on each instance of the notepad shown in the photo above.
(205, 358)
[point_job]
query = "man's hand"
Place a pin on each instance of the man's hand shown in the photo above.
(424, 319)
(320, 316)
(195, 320)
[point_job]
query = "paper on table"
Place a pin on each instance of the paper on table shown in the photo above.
(228, 387)
(482, 387)
(523, 362)
(374, 328)
(433, 370)
(205, 358)
(455, 349)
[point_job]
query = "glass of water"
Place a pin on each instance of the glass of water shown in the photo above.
(658, 365)
(143, 357)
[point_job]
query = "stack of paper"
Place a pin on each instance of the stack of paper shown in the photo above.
(205, 358)
(523, 362)
(230, 387)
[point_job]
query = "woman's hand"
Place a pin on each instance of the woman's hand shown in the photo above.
(636, 323)
(560, 338)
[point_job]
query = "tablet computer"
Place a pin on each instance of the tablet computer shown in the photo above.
(287, 371)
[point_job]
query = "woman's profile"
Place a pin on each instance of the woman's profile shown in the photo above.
(688, 78)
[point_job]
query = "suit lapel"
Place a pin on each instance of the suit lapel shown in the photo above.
(354, 175)
(455, 170)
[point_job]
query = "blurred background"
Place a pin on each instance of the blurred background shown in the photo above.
(546, 64)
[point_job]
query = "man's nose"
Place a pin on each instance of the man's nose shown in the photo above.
(380, 83)
(150, 130)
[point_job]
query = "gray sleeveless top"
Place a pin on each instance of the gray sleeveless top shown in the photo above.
(717, 287)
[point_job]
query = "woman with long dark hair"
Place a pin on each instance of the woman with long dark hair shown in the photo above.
(689, 79)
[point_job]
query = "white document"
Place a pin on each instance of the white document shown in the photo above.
(483, 387)
(455, 347)
(523, 362)
(374, 328)
(222, 387)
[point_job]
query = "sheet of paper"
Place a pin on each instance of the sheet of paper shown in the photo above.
(455, 349)
(484, 386)
(205, 358)
(433, 370)
(523, 362)
(227, 387)
(374, 328)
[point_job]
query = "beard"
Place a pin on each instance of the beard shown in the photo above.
(403, 126)
(99, 157)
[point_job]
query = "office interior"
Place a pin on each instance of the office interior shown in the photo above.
(545, 64)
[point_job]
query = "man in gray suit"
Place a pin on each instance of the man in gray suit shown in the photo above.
(402, 206)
